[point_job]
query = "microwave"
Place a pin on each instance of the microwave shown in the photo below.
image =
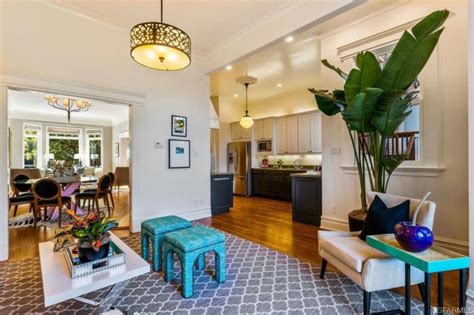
(264, 146)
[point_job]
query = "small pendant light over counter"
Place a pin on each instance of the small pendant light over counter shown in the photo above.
(160, 46)
(246, 121)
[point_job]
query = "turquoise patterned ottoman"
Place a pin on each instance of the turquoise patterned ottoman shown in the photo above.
(155, 229)
(191, 244)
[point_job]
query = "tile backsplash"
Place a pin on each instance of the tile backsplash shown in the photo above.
(307, 159)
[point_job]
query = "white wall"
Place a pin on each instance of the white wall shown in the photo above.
(443, 169)
(16, 126)
(67, 52)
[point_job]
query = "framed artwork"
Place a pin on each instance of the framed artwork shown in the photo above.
(179, 154)
(179, 126)
(117, 149)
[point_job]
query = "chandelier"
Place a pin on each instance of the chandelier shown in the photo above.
(68, 104)
(246, 121)
(160, 46)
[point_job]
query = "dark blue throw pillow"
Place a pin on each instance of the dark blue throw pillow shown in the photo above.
(382, 220)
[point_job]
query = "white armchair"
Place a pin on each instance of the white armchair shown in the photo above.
(369, 268)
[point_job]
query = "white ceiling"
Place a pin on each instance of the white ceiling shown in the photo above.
(32, 106)
(207, 22)
(294, 65)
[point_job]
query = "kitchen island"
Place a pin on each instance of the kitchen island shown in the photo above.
(307, 197)
(273, 182)
(222, 185)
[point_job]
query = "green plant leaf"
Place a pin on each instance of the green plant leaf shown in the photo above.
(412, 53)
(341, 73)
(391, 111)
(360, 111)
(365, 75)
(391, 163)
(328, 103)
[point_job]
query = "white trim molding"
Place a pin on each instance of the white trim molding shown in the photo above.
(414, 171)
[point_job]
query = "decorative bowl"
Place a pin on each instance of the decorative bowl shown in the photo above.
(412, 237)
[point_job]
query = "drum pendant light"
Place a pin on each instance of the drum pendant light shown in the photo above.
(160, 46)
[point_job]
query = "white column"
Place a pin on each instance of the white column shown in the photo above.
(3, 174)
(470, 289)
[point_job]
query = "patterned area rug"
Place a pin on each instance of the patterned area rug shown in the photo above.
(259, 281)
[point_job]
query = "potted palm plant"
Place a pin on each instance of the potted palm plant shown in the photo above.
(92, 234)
(375, 101)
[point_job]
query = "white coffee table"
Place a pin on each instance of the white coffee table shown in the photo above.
(58, 286)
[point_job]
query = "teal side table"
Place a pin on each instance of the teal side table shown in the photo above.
(433, 260)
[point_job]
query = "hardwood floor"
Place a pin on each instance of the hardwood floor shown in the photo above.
(264, 221)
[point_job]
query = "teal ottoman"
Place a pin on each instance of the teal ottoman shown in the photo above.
(191, 244)
(155, 230)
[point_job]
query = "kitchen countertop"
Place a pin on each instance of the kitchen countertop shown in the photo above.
(221, 173)
(306, 175)
(286, 169)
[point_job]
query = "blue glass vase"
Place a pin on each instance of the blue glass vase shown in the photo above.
(413, 238)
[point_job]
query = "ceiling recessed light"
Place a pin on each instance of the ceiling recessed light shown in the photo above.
(229, 67)
(236, 95)
(279, 85)
(289, 39)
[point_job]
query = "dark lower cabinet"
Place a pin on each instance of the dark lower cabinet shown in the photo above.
(272, 183)
(222, 198)
(307, 199)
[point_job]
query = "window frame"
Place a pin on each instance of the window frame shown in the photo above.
(79, 137)
(87, 146)
(39, 144)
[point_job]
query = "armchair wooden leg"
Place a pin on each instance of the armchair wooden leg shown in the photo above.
(367, 296)
(112, 200)
(421, 288)
(15, 210)
(97, 205)
(324, 265)
(106, 201)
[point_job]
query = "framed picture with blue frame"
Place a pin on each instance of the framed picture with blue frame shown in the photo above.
(179, 153)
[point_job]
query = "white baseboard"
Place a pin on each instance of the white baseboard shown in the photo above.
(337, 224)
(331, 223)
(192, 215)
(3, 251)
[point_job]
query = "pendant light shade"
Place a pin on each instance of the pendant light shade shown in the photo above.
(160, 46)
(246, 121)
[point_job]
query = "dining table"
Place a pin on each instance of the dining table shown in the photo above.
(69, 185)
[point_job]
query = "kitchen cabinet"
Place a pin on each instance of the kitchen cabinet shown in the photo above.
(292, 134)
(238, 133)
(281, 136)
(306, 199)
(264, 129)
(316, 132)
(273, 183)
(304, 133)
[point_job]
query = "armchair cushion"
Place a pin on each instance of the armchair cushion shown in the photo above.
(352, 251)
(382, 220)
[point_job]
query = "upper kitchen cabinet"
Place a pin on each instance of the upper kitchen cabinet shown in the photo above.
(281, 136)
(238, 133)
(316, 133)
(264, 129)
(287, 135)
(304, 133)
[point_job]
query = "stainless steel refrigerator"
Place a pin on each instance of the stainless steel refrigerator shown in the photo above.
(238, 163)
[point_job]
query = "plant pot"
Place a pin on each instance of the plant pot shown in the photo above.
(413, 238)
(356, 219)
(87, 253)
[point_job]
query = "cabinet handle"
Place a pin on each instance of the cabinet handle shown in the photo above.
(221, 178)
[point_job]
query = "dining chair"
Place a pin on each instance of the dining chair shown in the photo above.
(101, 192)
(47, 193)
(21, 193)
(111, 188)
(122, 177)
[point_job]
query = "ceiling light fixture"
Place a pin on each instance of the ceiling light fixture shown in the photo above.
(236, 95)
(229, 67)
(279, 85)
(160, 46)
(246, 121)
(68, 104)
(289, 39)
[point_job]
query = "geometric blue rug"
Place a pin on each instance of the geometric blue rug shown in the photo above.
(259, 281)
